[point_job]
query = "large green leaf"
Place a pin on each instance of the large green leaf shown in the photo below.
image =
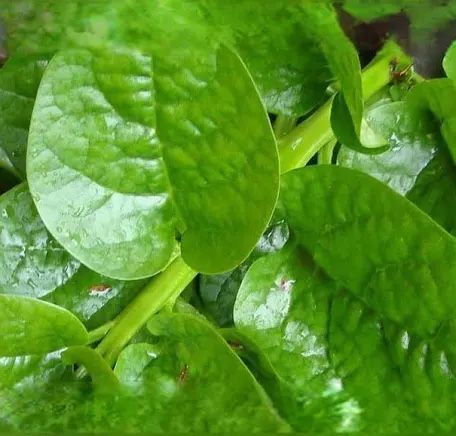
(190, 381)
(282, 307)
(388, 335)
(31, 326)
(33, 264)
(188, 369)
(341, 365)
(147, 151)
(191, 364)
(341, 216)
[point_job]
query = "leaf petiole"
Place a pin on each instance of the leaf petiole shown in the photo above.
(100, 332)
(164, 287)
(283, 125)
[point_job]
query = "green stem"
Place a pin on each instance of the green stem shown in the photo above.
(303, 142)
(283, 125)
(100, 372)
(100, 332)
(325, 155)
(298, 147)
(162, 288)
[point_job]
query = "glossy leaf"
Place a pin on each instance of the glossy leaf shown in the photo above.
(122, 171)
(30, 370)
(31, 326)
(282, 307)
(162, 398)
(330, 208)
(412, 141)
(346, 132)
(193, 365)
(387, 338)
(32, 264)
(350, 367)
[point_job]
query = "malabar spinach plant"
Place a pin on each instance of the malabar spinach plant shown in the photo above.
(213, 218)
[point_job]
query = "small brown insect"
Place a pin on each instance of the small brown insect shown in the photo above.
(183, 375)
(99, 289)
(235, 345)
(399, 73)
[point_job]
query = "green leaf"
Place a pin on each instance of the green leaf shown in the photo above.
(331, 208)
(19, 80)
(282, 307)
(370, 312)
(51, 25)
(192, 365)
(217, 393)
(346, 132)
(347, 105)
(33, 264)
(342, 364)
(141, 158)
(132, 362)
(412, 144)
(31, 326)
(30, 370)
